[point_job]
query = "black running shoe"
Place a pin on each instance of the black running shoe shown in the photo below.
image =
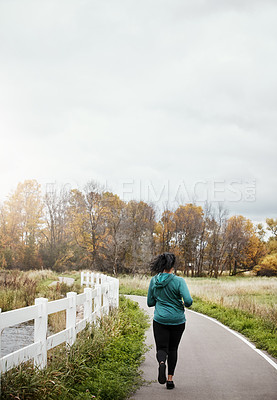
(161, 376)
(170, 385)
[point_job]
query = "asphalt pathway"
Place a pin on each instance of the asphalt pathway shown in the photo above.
(213, 364)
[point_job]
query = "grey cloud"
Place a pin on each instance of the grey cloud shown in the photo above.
(140, 90)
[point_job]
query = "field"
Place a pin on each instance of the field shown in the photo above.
(256, 295)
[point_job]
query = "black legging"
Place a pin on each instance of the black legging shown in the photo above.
(167, 338)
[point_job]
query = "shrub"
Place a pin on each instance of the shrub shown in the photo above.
(268, 266)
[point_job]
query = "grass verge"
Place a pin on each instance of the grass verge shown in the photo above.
(127, 290)
(102, 364)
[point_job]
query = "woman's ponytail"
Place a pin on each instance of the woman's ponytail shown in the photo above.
(163, 262)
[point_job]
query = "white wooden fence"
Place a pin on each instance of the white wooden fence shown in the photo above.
(104, 291)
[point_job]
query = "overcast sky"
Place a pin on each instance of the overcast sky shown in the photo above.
(155, 99)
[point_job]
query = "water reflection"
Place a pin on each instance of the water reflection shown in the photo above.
(15, 337)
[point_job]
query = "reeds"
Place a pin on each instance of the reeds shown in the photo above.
(17, 290)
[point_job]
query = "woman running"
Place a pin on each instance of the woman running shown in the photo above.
(169, 294)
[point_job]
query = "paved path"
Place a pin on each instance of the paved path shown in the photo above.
(213, 365)
(63, 279)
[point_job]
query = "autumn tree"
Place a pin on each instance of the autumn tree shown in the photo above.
(272, 241)
(243, 245)
(55, 248)
(272, 226)
(216, 241)
(116, 240)
(164, 232)
(139, 228)
(188, 230)
(87, 213)
(203, 239)
(21, 217)
(268, 264)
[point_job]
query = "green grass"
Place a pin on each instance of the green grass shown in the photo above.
(76, 275)
(127, 290)
(103, 363)
(267, 298)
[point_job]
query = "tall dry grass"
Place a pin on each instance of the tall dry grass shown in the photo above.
(135, 281)
(257, 295)
(17, 289)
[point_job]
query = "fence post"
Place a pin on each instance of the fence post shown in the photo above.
(91, 279)
(110, 294)
(116, 292)
(87, 279)
(71, 317)
(97, 301)
(82, 278)
(88, 305)
(40, 332)
(115, 285)
(97, 279)
(112, 291)
(105, 298)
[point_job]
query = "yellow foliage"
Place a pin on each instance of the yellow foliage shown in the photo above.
(268, 266)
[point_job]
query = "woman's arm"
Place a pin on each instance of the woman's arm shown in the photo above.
(184, 292)
(151, 301)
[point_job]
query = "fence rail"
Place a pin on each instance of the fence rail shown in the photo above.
(96, 300)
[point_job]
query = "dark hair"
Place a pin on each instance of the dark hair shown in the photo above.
(164, 261)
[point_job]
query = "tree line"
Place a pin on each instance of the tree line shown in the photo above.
(95, 229)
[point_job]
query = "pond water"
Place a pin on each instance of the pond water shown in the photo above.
(15, 337)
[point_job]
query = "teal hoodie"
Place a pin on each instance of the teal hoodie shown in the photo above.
(170, 295)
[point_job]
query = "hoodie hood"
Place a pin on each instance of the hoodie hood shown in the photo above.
(162, 280)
